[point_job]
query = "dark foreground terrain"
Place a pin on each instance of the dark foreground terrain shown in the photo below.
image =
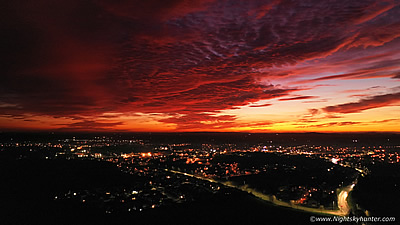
(29, 186)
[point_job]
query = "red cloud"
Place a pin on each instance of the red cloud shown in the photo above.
(199, 121)
(363, 90)
(154, 9)
(263, 105)
(297, 98)
(187, 59)
(347, 123)
(387, 68)
(364, 104)
(89, 125)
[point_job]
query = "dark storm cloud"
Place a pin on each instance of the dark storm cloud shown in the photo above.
(178, 57)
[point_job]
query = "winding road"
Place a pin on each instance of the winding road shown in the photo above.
(344, 208)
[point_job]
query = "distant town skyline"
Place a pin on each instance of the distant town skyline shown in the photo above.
(206, 65)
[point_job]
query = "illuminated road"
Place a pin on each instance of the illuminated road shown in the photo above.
(344, 208)
(342, 199)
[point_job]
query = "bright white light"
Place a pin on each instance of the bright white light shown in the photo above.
(334, 160)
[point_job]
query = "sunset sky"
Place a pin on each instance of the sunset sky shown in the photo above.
(206, 65)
